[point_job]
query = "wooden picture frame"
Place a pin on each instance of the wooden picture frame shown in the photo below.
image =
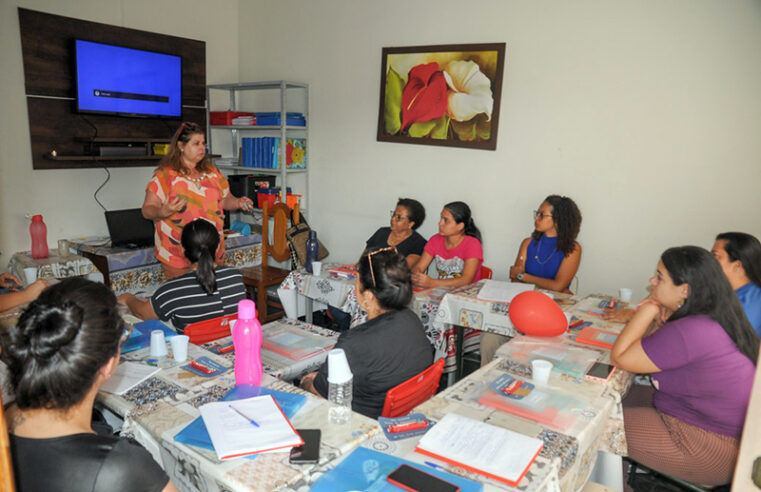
(441, 95)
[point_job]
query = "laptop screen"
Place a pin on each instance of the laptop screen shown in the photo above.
(128, 228)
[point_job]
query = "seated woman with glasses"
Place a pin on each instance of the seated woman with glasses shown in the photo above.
(702, 363)
(206, 292)
(548, 259)
(64, 347)
(408, 215)
(456, 250)
(391, 347)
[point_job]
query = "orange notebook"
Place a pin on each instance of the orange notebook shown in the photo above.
(492, 451)
(594, 336)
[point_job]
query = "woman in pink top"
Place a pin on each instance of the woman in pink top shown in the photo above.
(456, 250)
(185, 187)
(701, 361)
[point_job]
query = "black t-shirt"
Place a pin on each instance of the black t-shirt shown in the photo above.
(382, 353)
(413, 245)
(84, 463)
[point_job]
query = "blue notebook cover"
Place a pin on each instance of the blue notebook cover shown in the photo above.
(365, 469)
(141, 335)
(195, 433)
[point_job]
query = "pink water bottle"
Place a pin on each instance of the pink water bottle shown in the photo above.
(39, 237)
(247, 339)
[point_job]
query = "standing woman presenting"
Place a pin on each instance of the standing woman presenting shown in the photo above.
(187, 186)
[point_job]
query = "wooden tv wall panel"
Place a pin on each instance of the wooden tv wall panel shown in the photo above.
(47, 44)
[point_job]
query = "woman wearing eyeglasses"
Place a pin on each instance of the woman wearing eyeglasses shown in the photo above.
(548, 259)
(64, 347)
(408, 215)
(456, 250)
(391, 346)
(701, 361)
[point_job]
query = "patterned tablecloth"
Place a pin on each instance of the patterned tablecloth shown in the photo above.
(53, 266)
(569, 454)
(339, 292)
(276, 364)
(138, 270)
(159, 407)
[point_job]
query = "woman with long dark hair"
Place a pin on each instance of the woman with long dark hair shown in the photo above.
(205, 292)
(187, 186)
(701, 361)
(456, 249)
(391, 346)
(739, 255)
(64, 347)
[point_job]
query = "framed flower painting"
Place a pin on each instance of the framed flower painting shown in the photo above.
(441, 95)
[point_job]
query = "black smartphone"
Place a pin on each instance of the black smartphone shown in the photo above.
(600, 371)
(415, 480)
(309, 452)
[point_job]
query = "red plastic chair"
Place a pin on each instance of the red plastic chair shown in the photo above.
(485, 272)
(210, 329)
(403, 397)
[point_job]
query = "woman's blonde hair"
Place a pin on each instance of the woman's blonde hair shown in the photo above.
(173, 158)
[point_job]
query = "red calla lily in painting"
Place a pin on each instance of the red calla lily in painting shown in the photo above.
(425, 96)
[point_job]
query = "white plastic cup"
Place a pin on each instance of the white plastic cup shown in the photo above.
(540, 371)
(338, 367)
(63, 248)
(316, 267)
(180, 347)
(30, 274)
(625, 294)
(158, 344)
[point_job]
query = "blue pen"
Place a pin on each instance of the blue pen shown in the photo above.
(434, 465)
(243, 415)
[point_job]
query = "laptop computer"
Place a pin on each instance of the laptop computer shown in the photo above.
(129, 229)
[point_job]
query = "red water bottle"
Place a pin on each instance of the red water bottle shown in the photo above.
(39, 237)
(247, 339)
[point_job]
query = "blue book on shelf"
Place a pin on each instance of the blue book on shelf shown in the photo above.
(366, 469)
(195, 433)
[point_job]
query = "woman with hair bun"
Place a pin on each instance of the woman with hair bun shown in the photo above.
(391, 346)
(456, 250)
(64, 347)
(205, 292)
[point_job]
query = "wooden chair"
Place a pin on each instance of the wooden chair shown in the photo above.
(6, 465)
(262, 276)
(402, 398)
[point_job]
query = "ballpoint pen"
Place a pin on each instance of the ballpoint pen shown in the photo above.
(435, 465)
(243, 415)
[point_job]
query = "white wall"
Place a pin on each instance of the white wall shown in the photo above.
(65, 198)
(647, 113)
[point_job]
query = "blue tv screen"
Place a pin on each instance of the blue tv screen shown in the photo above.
(117, 80)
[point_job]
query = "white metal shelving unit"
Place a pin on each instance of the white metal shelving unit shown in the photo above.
(284, 130)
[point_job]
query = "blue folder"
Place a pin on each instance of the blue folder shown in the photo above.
(366, 469)
(141, 335)
(195, 433)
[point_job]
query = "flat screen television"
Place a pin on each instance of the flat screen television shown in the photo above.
(128, 82)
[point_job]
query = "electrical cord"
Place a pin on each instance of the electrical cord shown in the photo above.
(95, 195)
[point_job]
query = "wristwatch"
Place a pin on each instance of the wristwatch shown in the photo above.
(519, 276)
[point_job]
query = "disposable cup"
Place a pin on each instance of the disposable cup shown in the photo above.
(540, 371)
(625, 294)
(158, 344)
(338, 367)
(316, 267)
(179, 347)
(63, 248)
(30, 274)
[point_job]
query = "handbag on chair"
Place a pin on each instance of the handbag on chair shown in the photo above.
(297, 240)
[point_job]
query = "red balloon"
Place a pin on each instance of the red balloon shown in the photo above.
(534, 313)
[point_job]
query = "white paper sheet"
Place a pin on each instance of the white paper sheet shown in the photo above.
(498, 291)
(128, 375)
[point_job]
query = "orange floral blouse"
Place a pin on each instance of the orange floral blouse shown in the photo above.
(203, 197)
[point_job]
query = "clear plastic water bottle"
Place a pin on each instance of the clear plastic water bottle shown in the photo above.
(340, 380)
(39, 233)
(313, 248)
(247, 339)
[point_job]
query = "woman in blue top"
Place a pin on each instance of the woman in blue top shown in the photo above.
(548, 259)
(739, 255)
